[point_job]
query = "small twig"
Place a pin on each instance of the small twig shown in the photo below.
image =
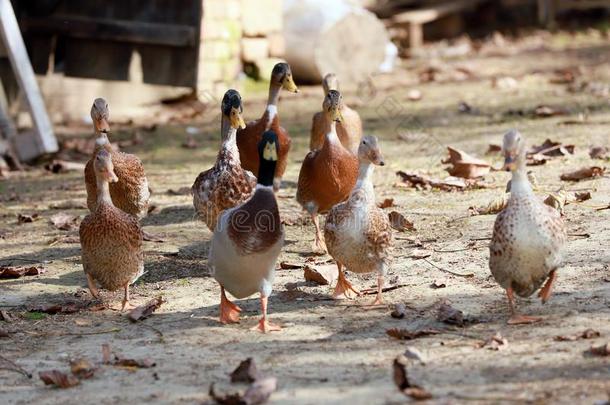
(450, 251)
(467, 275)
(485, 238)
(101, 332)
(14, 367)
(371, 291)
(581, 235)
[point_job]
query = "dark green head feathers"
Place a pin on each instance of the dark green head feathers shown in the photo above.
(231, 99)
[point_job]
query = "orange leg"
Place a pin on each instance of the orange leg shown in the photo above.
(92, 287)
(378, 300)
(318, 246)
(344, 288)
(545, 292)
(126, 305)
(229, 312)
(515, 318)
(264, 325)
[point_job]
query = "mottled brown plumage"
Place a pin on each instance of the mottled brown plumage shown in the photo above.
(349, 130)
(249, 137)
(358, 233)
(528, 236)
(111, 239)
(328, 174)
(226, 184)
(131, 193)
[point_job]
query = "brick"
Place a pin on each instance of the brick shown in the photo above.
(277, 44)
(254, 49)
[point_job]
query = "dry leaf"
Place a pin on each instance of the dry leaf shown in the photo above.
(260, 391)
(26, 219)
(290, 266)
(58, 379)
(586, 334)
(493, 149)
(437, 284)
(448, 314)
(133, 363)
(551, 148)
(599, 152)
(246, 372)
(17, 272)
(82, 322)
(63, 166)
(603, 350)
(399, 312)
(64, 221)
(544, 111)
(496, 342)
(414, 354)
(423, 182)
(144, 311)
(149, 237)
(67, 308)
(399, 222)
(582, 196)
(325, 274)
(493, 207)
(405, 334)
(401, 379)
(82, 368)
(7, 316)
(536, 160)
(584, 173)
(557, 200)
(464, 165)
(387, 203)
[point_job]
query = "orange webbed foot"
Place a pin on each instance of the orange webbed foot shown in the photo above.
(523, 320)
(547, 289)
(264, 326)
(344, 289)
(229, 312)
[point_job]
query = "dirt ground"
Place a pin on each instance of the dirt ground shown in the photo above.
(338, 352)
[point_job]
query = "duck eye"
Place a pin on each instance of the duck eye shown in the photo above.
(364, 142)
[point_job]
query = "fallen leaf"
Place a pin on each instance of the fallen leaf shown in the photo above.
(419, 254)
(58, 379)
(465, 108)
(496, 342)
(144, 311)
(582, 196)
(133, 363)
(226, 399)
(180, 191)
(82, 368)
(603, 350)
(599, 152)
(464, 165)
(64, 166)
(290, 266)
(64, 221)
(545, 111)
(67, 308)
(26, 219)
(584, 173)
(399, 222)
(448, 314)
(7, 316)
(405, 334)
(149, 237)
(325, 274)
(260, 391)
(401, 379)
(387, 203)
(586, 334)
(493, 207)
(553, 149)
(536, 160)
(493, 149)
(9, 272)
(556, 200)
(63, 239)
(246, 372)
(563, 76)
(82, 322)
(399, 312)
(413, 353)
(437, 284)
(423, 182)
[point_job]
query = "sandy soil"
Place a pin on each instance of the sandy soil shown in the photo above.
(338, 352)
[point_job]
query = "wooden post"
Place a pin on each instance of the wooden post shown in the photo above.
(44, 140)
(416, 35)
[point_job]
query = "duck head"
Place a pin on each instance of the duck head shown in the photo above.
(330, 82)
(333, 102)
(232, 109)
(104, 169)
(513, 148)
(281, 76)
(99, 115)
(369, 151)
(268, 150)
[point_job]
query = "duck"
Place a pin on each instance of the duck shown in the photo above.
(246, 244)
(249, 137)
(110, 238)
(526, 248)
(328, 174)
(131, 192)
(226, 184)
(349, 129)
(357, 232)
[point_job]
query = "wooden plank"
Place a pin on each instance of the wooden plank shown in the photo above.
(136, 32)
(9, 30)
(426, 15)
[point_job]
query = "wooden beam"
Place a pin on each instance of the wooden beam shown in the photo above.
(427, 15)
(136, 32)
(44, 139)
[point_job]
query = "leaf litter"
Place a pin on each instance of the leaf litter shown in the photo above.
(402, 381)
(259, 389)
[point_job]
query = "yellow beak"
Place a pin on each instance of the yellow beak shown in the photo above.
(237, 120)
(335, 114)
(289, 84)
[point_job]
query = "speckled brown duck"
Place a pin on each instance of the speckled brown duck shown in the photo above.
(249, 137)
(349, 130)
(131, 192)
(226, 184)
(248, 241)
(111, 239)
(328, 174)
(357, 232)
(528, 236)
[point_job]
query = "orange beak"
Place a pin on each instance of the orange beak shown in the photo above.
(101, 125)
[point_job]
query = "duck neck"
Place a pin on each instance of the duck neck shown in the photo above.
(103, 191)
(364, 184)
(520, 184)
(229, 138)
(274, 95)
(331, 135)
